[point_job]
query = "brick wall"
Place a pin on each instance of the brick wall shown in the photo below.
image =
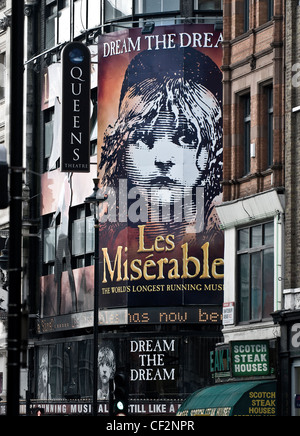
(252, 61)
(292, 151)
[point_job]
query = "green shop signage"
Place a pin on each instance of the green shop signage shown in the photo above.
(250, 358)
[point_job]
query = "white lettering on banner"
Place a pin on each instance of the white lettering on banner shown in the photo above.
(152, 374)
(151, 359)
(103, 408)
(166, 42)
(149, 346)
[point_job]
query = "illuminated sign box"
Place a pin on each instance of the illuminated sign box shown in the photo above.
(250, 358)
(220, 362)
(202, 315)
(75, 156)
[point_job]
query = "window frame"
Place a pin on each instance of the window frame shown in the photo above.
(197, 6)
(251, 251)
(82, 215)
(246, 108)
(79, 259)
(136, 18)
(246, 16)
(69, 367)
(3, 73)
(270, 123)
(270, 10)
(161, 11)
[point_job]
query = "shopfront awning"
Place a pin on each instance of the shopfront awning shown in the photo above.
(233, 399)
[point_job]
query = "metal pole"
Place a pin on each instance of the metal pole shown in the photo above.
(96, 313)
(15, 229)
(95, 199)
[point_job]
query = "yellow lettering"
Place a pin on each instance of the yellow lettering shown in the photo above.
(205, 249)
(149, 264)
(173, 273)
(142, 248)
(157, 241)
(216, 263)
(186, 261)
(170, 242)
(117, 265)
(136, 269)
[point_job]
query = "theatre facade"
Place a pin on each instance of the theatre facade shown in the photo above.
(156, 149)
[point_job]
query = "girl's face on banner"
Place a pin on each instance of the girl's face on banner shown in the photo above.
(168, 154)
(105, 372)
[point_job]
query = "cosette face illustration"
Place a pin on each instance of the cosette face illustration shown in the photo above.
(176, 156)
(169, 128)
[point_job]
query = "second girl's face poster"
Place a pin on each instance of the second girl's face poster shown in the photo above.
(160, 162)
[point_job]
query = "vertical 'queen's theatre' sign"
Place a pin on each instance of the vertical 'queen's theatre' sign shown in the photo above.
(75, 156)
(160, 160)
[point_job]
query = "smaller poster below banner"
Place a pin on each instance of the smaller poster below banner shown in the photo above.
(154, 365)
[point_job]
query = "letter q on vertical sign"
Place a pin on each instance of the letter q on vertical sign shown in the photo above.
(76, 96)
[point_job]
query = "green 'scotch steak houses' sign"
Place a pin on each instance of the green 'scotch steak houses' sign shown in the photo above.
(250, 358)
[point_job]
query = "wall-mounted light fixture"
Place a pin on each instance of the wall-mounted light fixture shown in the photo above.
(148, 28)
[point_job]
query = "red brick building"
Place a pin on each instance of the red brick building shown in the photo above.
(253, 181)
(253, 97)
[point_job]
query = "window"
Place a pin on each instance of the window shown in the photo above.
(64, 21)
(65, 370)
(270, 134)
(58, 21)
(70, 370)
(151, 6)
(2, 75)
(80, 24)
(246, 102)
(204, 5)
(246, 15)
(94, 13)
(255, 272)
(270, 9)
(49, 236)
(51, 24)
(94, 122)
(82, 238)
(117, 9)
(87, 15)
(52, 137)
(85, 368)
(49, 245)
(55, 371)
(48, 132)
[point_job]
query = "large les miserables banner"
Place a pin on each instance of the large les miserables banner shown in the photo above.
(160, 162)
